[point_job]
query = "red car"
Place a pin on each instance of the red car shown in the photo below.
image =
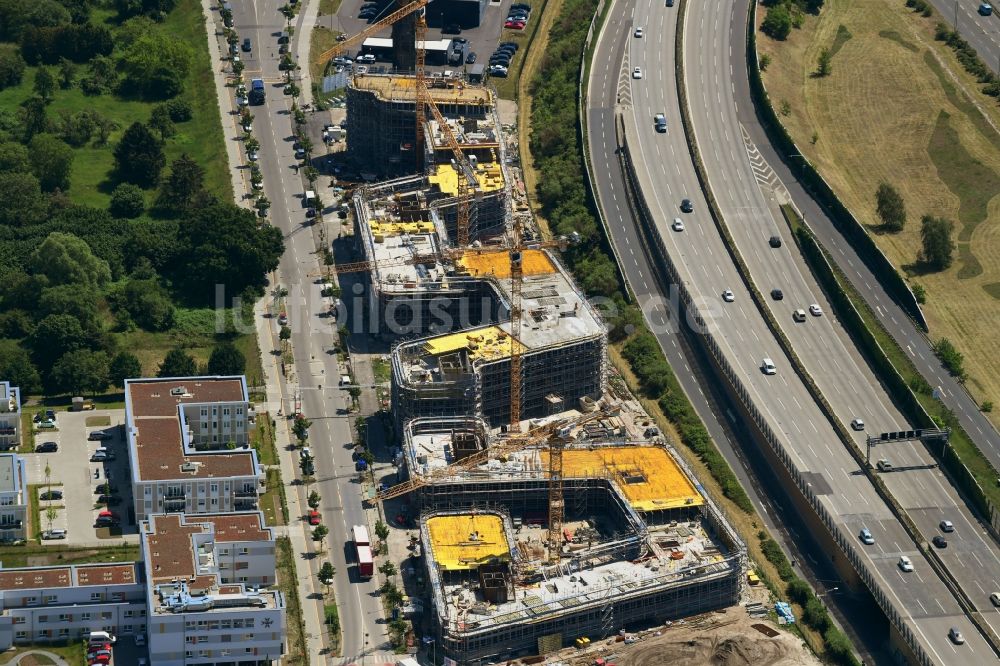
(514, 25)
(99, 657)
(314, 517)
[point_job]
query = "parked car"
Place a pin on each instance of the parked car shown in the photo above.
(50, 495)
(513, 45)
(247, 45)
(452, 29)
(53, 534)
(110, 500)
(46, 424)
(514, 25)
(99, 436)
(106, 489)
(47, 447)
(314, 517)
(499, 71)
(471, 58)
(99, 455)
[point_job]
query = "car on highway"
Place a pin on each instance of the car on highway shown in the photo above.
(47, 447)
(314, 517)
(866, 536)
(50, 495)
(985, 9)
(857, 425)
(54, 534)
(995, 598)
(637, 33)
(728, 296)
(777, 294)
(99, 436)
(799, 316)
(815, 310)
(660, 122)
(905, 564)
(637, 72)
(774, 241)
(678, 225)
(940, 541)
(946, 526)
(686, 206)
(884, 465)
(956, 636)
(768, 368)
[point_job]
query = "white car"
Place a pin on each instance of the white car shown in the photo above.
(252, 156)
(247, 127)
(728, 296)
(637, 72)
(768, 367)
(857, 425)
(637, 33)
(815, 310)
(905, 564)
(677, 225)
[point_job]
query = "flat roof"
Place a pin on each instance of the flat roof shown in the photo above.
(9, 482)
(488, 174)
(72, 576)
(427, 44)
(10, 397)
(403, 89)
(648, 476)
(154, 428)
(463, 542)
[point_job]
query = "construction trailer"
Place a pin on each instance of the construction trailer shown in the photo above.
(641, 543)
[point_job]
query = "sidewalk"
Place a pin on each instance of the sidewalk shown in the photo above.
(303, 32)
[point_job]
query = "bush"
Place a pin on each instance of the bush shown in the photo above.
(950, 357)
(772, 551)
(799, 591)
(816, 615)
(11, 66)
(778, 23)
(180, 110)
(127, 201)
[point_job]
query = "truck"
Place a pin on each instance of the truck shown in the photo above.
(257, 95)
(363, 547)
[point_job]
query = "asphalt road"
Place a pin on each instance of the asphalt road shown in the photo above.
(312, 333)
(702, 260)
(824, 346)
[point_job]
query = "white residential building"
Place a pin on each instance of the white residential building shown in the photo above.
(205, 606)
(10, 416)
(189, 445)
(45, 604)
(13, 497)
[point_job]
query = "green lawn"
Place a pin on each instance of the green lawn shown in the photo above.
(295, 626)
(75, 654)
(263, 440)
(272, 501)
(50, 554)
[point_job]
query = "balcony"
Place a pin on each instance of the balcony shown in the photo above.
(245, 503)
(252, 492)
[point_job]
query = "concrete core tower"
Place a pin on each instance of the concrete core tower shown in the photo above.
(404, 40)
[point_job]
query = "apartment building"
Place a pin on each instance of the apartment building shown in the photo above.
(189, 445)
(204, 576)
(10, 416)
(45, 604)
(13, 497)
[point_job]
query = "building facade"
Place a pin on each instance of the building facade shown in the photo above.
(13, 498)
(10, 416)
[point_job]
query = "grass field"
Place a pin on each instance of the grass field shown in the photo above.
(34, 555)
(897, 107)
(294, 624)
(75, 654)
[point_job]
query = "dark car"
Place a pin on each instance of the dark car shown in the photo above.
(775, 241)
(51, 495)
(460, 40)
(47, 447)
(471, 58)
(110, 500)
(518, 16)
(506, 49)
(776, 294)
(513, 45)
(99, 436)
(500, 56)
(521, 5)
(106, 489)
(452, 29)
(687, 206)
(247, 45)
(940, 541)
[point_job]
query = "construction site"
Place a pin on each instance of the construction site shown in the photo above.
(550, 510)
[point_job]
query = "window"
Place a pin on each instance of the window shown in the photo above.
(189, 654)
(85, 617)
(64, 633)
(127, 628)
(226, 638)
(116, 596)
(243, 579)
(223, 565)
(244, 551)
(214, 487)
(203, 639)
(128, 613)
(50, 598)
(106, 615)
(42, 619)
(96, 596)
(65, 618)
(239, 410)
(242, 565)
(225, 411)
(204, 411)
(21, 635)
(18, 619)
(31, 601)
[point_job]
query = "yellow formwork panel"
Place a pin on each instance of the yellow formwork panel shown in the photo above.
(462, 543)
(647, 475)
(486, 344)
(489, 175)
(404, 89)
(497, 263)
(392, 228)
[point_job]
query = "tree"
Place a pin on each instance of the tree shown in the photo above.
(69, 299)
(300, 427)
(226, 359)
(23, 201)
(34, 118)
(124, 365)
(65, 259)
(381, 530)
(314, 500)
(54, 336)
(937, 245)
(67, 72)
(155, 65)
(319, 534)
(160, 121)
(14, 157)
(326, 574)
(147, 303)
(224, 245)
(11, 66)
(177, 363)
(139, 156)
(950, 357)
(890, 207)
(392, 594)
(127, 200)
(17, 368)
(184, 189)
(45, 84)
(778, 23)
(285, 333)
(51, 161)
(824, 66)
(388, 569)
(80, 370)
(764, 61)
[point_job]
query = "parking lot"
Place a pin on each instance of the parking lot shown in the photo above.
(71, 467)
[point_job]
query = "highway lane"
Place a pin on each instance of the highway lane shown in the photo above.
(825, 348)
(845, 494)
(982, 32)
(312, 335)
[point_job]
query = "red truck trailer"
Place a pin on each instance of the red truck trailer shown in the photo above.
(363, 547)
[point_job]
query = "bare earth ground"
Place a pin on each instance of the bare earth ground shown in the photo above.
(715, 639)
(890, 111)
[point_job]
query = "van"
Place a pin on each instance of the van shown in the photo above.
(768, 367)
(884, 465)
(101, 637)
(799, 316)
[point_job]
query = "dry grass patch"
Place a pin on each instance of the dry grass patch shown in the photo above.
(897, 107)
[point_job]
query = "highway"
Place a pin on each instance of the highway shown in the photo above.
(313, 334)
(750, 209)
(846, 494)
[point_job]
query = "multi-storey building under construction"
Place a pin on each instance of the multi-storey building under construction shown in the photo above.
(640, 543)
